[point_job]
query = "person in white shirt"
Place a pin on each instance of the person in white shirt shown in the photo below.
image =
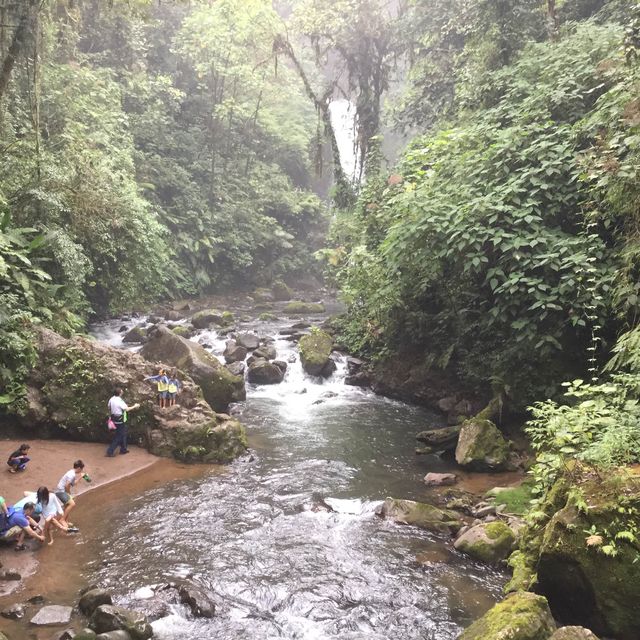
(52, 513)
(118, 410)
(65, 487)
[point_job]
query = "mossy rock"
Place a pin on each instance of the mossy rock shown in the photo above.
(584, 585)
(263, 295)
(207, 317)
(490, 542)
(419, 514)
(227, 318)
(219, 386)
(574, 633)
(481, 446)
(523, 567)
(520, 616)
(297, 307)
(281, 291)
(135, 334)
(267, 317)
(315, 351)
(183, 331)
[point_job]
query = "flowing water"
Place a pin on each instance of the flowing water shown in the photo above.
(260, 538)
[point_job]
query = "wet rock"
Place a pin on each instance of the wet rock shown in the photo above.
(218, 385)
(315, 354)
(52, 614)
(491, 543)
(115, 635)
(267, 317)
(92, 599)
(234, 352)
(67, 634)
(301, 325)
(281, 364)
(520, 616)
(288, 332)
(298, 307)
(444, 439)
(329, 394)
(143, 593)
(154, 319)
(183, 331)
(236, 368)
(37, 599)
(85, 634)
(263, 372)
(268, 352)
(10, 575)
(123, 328)
(14, 612)
(136, 334)
(281, 291)
(483, 510)
(440, 479)
(111, 618)
(481, 446)
(360, 379)
(201, 605)
(203, 319)
(573, 633)
(172, 315)
(249, 341)
(421, 515)
(291, 359)
(446, 404)
(354, 365)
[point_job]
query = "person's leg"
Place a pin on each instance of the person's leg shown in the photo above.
(123, 439)
(67, 508)
(23, 464)
(111, 449)
(13, 467)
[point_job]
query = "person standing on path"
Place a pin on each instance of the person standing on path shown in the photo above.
(118, 409)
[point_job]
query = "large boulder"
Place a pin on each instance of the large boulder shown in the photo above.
(204, 319)
(520, 616)
(201, 605)
(298, 307)
(490, 542)
(593, 579)
(68, 389)
(418, 514)
(266, 351)
(249, 341)
(315, 354)
(481, 446)
(92, 599)
(263, 372)
(219, 386)
(135, 334)
(234, 352)
(110, 618)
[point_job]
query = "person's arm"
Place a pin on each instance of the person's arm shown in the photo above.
(133, 407)
(152, 378)
(34, 534)
(67, 487)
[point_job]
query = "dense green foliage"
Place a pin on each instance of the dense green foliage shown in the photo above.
(506, 237)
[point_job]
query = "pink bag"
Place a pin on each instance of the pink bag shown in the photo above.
(111, 425)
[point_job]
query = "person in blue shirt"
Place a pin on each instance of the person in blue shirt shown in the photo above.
(174, 387)
(20, 523)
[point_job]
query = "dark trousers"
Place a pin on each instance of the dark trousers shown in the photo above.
(119, 438)
(20, 464)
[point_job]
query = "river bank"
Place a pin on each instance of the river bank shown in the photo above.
(57, 573)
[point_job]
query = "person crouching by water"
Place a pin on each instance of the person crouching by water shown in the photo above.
(174, 387)
(64, 490)
(163, 387)
(18, 524)
(52, 514)
(118, 410)
(18, 459)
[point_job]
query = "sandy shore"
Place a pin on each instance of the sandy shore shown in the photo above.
(50, 459)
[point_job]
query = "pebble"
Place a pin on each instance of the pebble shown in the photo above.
(14, 612)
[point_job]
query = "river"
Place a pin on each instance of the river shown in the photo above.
(280, 566)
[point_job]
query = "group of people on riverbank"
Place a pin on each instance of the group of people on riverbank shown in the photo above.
(40, 512)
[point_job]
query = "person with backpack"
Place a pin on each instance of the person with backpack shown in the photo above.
(19, 523)
(118, 410)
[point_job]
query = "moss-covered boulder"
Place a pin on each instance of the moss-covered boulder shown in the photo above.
(520, 616)
(315, 353)
(297, 307)
(489, 542)
(481, 446)
(588, 565)
(135, 335)
(219, 386)
(70, 385)
(207, 317)
(574, 633)
(419, 514)
(184, 331)
(263, 295)
(281, 291)
(267, 317)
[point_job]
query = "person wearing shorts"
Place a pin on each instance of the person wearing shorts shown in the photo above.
(174, 387)
(18, 524)
(163, 387)
(65, 488)
(52, 513)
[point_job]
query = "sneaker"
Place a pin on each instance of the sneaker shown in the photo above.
(124, 452)
(110, 455)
